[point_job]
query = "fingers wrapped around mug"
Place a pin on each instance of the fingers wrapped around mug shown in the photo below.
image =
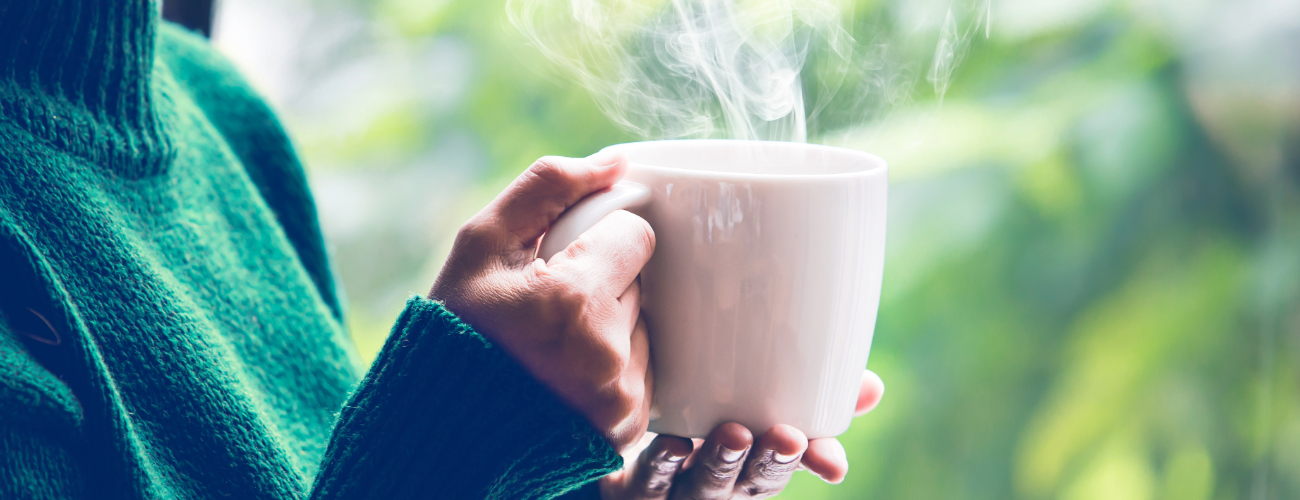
(716, 465)
(651, 476)
(772, 463)
(729, 464)
(573, 322)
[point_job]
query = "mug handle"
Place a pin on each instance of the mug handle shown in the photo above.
(587, 212)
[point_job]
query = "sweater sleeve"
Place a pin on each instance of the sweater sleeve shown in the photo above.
(442, 412)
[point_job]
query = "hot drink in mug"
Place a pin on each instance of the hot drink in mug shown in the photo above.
(761, 296)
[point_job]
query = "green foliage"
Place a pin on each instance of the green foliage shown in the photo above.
(1091, 280)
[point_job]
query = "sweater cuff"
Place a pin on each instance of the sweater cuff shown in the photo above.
(443, 412)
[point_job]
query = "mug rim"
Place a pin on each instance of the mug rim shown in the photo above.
(878, 165)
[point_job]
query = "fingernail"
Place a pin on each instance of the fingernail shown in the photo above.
(782, 458)
(674, 458)
(729, 455)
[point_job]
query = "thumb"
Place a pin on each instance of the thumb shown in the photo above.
(549, 187)
(869, 393)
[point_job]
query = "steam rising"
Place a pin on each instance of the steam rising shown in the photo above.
(740, 69)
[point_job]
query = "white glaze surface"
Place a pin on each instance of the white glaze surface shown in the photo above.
(762, 293)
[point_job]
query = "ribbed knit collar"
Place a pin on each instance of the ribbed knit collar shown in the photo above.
(78, 73)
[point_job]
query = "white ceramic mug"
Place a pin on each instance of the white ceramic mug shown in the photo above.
(761, 296)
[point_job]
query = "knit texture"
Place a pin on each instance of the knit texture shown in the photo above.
(153, 210)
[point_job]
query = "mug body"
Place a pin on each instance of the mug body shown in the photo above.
(761, 295)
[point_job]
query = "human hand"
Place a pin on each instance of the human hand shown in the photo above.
(573, 322)
(731, 463)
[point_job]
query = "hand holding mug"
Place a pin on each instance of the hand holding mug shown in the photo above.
(763, 296)
(762, 292)
(572, 321)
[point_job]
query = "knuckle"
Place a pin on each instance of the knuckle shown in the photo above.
(470, 229)
(608, 370)
(476, 233)
(663, 468)
(571, 306)
(766, 478)
(582, 275)
(659, 485)
(550, 169)
(580, 247)
(560, 295)
(570, 301)
(549, 174)
(622, 406)
(717, 473)
(632, 393)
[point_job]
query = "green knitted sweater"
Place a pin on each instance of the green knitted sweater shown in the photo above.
(152, 209)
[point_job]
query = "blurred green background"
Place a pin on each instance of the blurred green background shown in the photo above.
(1093, 267)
